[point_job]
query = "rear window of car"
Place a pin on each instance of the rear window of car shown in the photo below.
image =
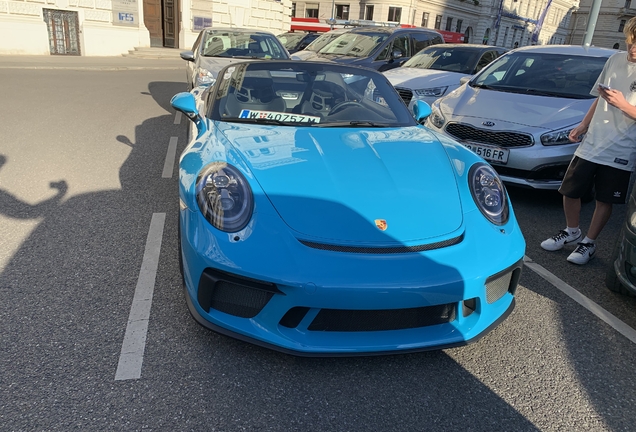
(544, 74)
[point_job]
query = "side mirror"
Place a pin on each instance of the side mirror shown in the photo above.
(186, 103)
(464, 80)
(421, 110)
(187, 55)
(396, 54)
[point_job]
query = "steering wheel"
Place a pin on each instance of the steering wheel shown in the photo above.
(342, 105)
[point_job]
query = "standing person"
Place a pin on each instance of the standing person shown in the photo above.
(607, 155)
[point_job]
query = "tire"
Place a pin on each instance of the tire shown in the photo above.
(612, 282)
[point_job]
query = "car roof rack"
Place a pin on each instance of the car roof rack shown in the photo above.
(362, 23)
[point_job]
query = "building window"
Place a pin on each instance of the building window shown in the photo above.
(449, 24)
(293, 11)
(342, 12)
(458, 29)
(425, 19)
(395, 13)
(621, 26)
(438, 22)
(311, 11)
(505, 40)
(368, 12)
(628, 4)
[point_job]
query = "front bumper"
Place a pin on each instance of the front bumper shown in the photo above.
(311, 302)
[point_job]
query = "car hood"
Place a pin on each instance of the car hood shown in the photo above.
(334, 184)
(542, 112)
(414, 78)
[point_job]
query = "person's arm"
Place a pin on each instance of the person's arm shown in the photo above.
(584, 125)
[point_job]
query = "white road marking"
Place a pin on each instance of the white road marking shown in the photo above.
(177, 118)
(132, 349)
(168, 165)
(588, 304)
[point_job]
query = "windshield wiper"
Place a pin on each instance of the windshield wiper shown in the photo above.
(354, 123)
(258, 121)
(484, 86)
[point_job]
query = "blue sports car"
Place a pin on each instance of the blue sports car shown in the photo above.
(318, 218)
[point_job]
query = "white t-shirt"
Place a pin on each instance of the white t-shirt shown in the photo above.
(611, 136)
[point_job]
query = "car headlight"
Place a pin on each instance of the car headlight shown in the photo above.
(436, 118)
(433, 91)
(558, 137)
(489, 193)
(203, 77)
(224, 197)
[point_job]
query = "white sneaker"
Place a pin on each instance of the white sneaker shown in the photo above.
(583, 253)
(561, 239)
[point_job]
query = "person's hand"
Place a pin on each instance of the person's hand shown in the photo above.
(576, 134)
(612, 96)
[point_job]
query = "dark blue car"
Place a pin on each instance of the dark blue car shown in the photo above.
(380, 48)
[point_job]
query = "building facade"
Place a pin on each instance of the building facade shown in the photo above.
(608, 31)
(113, 27)
(507, 23)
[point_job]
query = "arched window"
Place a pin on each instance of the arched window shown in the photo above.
(486, 37)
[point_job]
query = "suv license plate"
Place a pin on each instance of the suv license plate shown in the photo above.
(491, 154)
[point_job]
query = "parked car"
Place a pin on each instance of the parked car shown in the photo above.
(314, 221)
(297, 40)
(318, 43)
(621, 274)
(215, 48)
(518, 111)
(436, 70)
(380, 48)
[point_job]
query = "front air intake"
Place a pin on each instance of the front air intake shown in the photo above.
(234, 295)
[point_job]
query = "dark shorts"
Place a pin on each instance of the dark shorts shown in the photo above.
(611, 183)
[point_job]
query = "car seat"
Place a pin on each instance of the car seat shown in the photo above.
(324, 96)
(255, 93)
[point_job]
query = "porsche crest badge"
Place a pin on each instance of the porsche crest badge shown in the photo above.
(381, 224)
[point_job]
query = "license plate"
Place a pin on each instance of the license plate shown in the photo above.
(491, 154)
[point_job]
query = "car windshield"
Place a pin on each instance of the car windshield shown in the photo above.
(542, 74)
(220, 43)
(463, 60)
(354, 44)
(312, 94)
(291, 40)
(321, 41)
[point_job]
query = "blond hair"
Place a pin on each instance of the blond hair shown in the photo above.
(630, 31)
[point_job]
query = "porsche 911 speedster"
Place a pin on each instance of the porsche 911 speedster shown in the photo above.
(318, 218)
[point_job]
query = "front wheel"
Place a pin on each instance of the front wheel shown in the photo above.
(612, 282)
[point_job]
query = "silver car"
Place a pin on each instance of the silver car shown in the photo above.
(437, 70)
(215, 48)
(518, 111)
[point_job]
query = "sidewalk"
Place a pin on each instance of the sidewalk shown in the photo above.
(89, 63)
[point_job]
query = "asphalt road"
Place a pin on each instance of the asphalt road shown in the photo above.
(83, 150)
